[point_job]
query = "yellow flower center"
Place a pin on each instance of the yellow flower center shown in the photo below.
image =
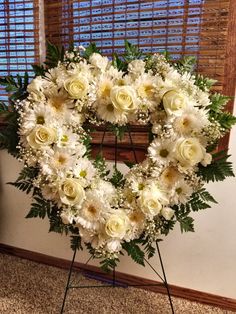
(83, 173)
(40, 120)
(164, 153)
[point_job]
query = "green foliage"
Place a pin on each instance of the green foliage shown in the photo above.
(118, 130)
(134, 251)
(87, 143)
(216, 111)
(204, 83)
(8, 132)
(39, 208)
(56, 224)
(186, 224)
(17, 86)
(117, 178)
(149, 250)
(92, 48)
(226, 119)
(39, 70)
(167, 55)
(119, 63)
(100, 164)
(54, 55)
(129, 164)
(166, 226)
(218, 102)
(108, 264)
(132, 52)
(75, 243)
(186, 64)
(218, 170)
(25, 180)
(199, 200)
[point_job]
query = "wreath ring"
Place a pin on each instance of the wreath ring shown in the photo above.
(111, 212)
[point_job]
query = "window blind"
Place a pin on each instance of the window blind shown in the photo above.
(182, 27)
(19, 43)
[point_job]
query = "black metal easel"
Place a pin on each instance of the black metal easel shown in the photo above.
(114, 283)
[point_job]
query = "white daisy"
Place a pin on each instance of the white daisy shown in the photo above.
(180, 192)
(161, 151)
(38, 115)
(84, 171)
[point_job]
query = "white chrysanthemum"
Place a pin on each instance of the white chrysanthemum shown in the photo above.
(161, 151)
(136, 67)
(191, 121)
(113, 245)
(106, 190)
(180, 192)
(84, 171)
(99, 61)
(38, 115)
(67, 216)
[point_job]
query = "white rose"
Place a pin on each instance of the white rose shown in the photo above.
(77, 86)
(41, 136)
(167, 213)
(71, 192)
(116, 225)
(206, 160)
(136, 67)
(189, 151)
(98, 61)
(150, 201)
(124, 98)
(174, 102)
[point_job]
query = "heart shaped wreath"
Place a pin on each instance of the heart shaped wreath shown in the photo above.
(111, 213)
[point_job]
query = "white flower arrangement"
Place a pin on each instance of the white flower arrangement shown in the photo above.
(74, 191)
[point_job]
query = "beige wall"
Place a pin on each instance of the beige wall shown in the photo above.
(204, 260)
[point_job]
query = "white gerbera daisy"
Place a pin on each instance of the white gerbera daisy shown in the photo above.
(181, 192)
(161, 151)
(170, 176)
(90, 215)
(57, 162)
(58, 100)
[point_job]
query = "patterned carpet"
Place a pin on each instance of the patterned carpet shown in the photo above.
(30, 288)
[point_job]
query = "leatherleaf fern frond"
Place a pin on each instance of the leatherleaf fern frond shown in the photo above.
(218, 170)
(198, 201)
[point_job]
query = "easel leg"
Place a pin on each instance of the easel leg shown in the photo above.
(68, 281)
(165, 280)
